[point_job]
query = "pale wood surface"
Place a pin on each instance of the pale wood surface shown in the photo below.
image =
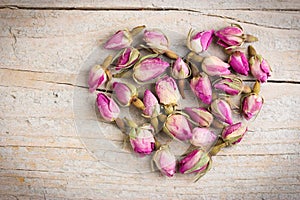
(42, 68)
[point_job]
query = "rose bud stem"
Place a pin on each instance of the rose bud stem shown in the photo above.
(218, 146)
(130, 123)
(194, 57)
(162, 118)
(246, 89)
(251, 51)
(181, 83)
(171, 54)
(250, 38)
(256, 88)
(107, 61)
(195, 70)
(136, 30)
(217, 124)
(120, 123)
(154, 122)
(123, 74)
(157, 144)
(138, 103)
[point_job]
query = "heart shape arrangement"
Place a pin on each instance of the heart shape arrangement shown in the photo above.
(151, 68)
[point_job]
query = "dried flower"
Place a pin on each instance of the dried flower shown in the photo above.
(167, 91)
(149, 69)
(180, 69)
(221, 110)
(156, 40)
(177, 125)
(203, 137)
(142, 139)
(234, 133)
(108, 109)
(165, 161)
(128, 57)
(251, 105)
(230, 84)
(230, 36)
(124, 92)
(97, 77)
(152, 107)
(200, 41)
(119, 40)
(239, 63)
(214, 66)
(200, 115)
(201, 87)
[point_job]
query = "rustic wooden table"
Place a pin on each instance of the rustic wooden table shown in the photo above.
(43, 46)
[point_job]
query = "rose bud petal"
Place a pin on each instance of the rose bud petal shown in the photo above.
(167, 91)
(239, 63)
(200, 115)
(177, 125)
(195, 161)
(260, 68)
(214, 66)
(230, 36)
(152, 106)
(124, 92)
(200, 41)
(180, 69)
(234, 133)
(165, 161)
(128, 57)
(149, 69)
(108, 108)
(222, 111)
(201, 87)
(231, 85)
(97, 77)
(203, 137)
(119, 40)
(156, 40)
(251, 105)
(142, 139)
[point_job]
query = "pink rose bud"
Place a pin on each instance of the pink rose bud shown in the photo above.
(260, 68)
(149, 69)
(97, 77)
(251, 105)
(165, 161)
(142, 139)
(108, 108)
(201, 87)
(195, 161)
(222, 111)
(177, 125)
(180, 69)
(200, 41)
(203, 137)
(167, 91)
(230, 84)
(152, 106)
(200, 115)
(234, 133)
(119, 40)
(124, 92)
(230, 36)
(239, 63)
(128, 57)
(214, 66)
(156, 40)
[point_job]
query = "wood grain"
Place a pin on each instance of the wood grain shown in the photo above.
(43, 66)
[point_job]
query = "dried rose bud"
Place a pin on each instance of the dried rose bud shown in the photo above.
(221, 110)
(124, 92)
(167, 91)
(165, 161)
(234, 133)
(200, 115)
(152, 107)
(239, 63)
(230, 36)
(230, 84)
(251, 105)
(128, 57)
(97, 77)
(119, 40)
(177, 125)
(203, 137)
(142, 139)
(201, 87)
(108, 108)
(149, 69)
(180, 69)
(214, 66)
(196, 161)
(200, 41)
(156, 40)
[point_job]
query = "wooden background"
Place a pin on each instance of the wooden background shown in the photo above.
(45, 44)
